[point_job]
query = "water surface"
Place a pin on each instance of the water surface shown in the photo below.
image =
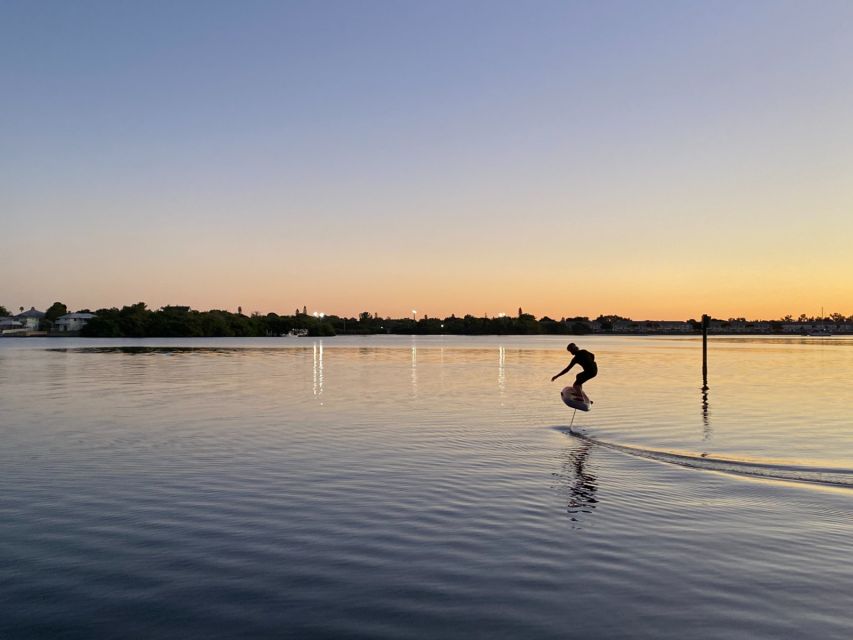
(423, 487)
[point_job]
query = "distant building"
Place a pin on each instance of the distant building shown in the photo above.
(668, 326)
(72, 322)
(30, 319)
(11, 326)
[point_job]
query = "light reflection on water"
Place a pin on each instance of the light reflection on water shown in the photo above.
(414, 367)
(318, 369)
(501, 372)
(417, 487)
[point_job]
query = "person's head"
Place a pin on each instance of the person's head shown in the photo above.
(572, 348)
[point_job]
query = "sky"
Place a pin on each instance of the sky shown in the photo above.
(648, 159)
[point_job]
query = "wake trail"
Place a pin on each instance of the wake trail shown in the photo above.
(792, 473)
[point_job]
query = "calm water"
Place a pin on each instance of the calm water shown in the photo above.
(394, 487)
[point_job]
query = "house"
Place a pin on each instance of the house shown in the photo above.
(10, 326)
(72, 322)
(673, 326)
(30, 319)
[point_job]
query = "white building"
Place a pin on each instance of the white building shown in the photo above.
(30, 319)
(10, 326)
(72, 322)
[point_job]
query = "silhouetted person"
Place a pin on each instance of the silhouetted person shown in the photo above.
(586, 360)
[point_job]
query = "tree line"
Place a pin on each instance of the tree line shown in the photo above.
(138, 321)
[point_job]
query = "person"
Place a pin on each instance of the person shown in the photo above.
(586, 360)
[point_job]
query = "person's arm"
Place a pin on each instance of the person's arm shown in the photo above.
(564, 371)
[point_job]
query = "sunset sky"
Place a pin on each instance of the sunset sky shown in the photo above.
(647, 159)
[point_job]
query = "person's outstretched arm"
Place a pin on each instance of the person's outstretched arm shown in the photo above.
(564, 371)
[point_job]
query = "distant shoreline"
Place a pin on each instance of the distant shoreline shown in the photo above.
(138, 321)
(383, 333)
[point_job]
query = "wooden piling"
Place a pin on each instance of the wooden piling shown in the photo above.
(706, 320)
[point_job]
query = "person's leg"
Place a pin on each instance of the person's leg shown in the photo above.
(582, 377)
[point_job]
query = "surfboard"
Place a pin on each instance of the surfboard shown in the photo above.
(574, 400)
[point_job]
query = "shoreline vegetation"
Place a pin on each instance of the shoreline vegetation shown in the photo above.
(138, 321)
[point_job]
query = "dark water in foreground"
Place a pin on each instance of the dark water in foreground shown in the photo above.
(398, 487)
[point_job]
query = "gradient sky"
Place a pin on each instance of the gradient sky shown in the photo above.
(648, 159)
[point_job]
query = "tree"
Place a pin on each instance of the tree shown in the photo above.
(278, 325)
(133, 320)
(580, 328)
(526, 324)
(101, 327)
(552, 326)
(3, 311)
(215, 323)
(56, 309)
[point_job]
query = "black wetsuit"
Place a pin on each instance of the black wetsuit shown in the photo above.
(587, 361)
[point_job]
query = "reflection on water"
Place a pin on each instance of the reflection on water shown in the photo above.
(501, 372)
(318, 370)
(706, 422)
(136, 350)
(578, 481)
(414, 367)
